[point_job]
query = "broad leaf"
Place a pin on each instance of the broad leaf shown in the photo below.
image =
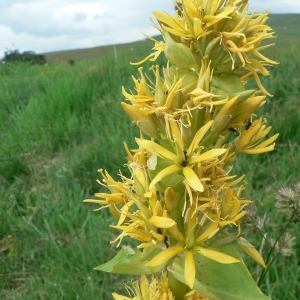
(219, 281)
(228, 83)
(243, 95)
(132, 262)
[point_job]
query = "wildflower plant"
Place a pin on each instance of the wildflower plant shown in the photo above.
(183, 204)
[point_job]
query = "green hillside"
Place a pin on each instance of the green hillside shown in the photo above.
(120, 50)
(286, 27)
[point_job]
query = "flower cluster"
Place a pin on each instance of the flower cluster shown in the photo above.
(157, 289)
(195, 117)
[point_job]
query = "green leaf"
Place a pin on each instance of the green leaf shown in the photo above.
(178, 53)
(219, 281)
(132, 262)
(243, 95)
(228, 83)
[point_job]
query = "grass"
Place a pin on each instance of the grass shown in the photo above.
(60, 123)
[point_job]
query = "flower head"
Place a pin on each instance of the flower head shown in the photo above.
(195, 117)
(220, 31)
(250, 140)
(182, 157)
(156, 289)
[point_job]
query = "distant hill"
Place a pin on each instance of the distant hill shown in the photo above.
(118, 50)
(286, 27)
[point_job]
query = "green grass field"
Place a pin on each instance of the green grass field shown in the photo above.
(62, 122)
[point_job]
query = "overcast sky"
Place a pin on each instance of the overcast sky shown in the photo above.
(52, 25)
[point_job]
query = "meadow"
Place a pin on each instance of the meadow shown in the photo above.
(62, 122)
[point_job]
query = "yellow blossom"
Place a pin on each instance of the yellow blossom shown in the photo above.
(250, 141)
(195, 114)
(156, 289)
(159, 47)
(182, 157)
(190, 244)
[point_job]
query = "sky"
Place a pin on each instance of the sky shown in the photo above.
(53, 25)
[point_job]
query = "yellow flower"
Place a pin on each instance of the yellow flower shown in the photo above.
(144, 92)
(250, 140)
(118, 196)
(148, 225)
(218, 31)
(190, 243)
(156, 289)
(182, 158)
(193, 295)
(194, 23)
(149, 98)
(179, 200)
(142, 120)
(231, 211)
(159, 48)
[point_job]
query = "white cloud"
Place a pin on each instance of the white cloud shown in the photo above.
(50, 25)
(44, 26)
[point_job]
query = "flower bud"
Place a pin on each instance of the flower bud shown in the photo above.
(143, 121)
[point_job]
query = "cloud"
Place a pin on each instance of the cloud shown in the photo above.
(79, 17)
(49, 18)
(68, 24)
(51, 25)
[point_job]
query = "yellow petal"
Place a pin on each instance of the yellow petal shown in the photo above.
(145, 245)
(215, 255)
(162, 222)
(207, 155)
(172, 92)
(168, 20)
(117, 196)
(157, 236)
(144, 287)
(162, 174)
(189, 269)
(176, 134)
(197, 138)
(197, 27)
(96, 201)
(266, 142)
(237, 217)
(124, 212)
(251, 251)
(254, 74)
(259, 150)
(262, 133)
(171, 200)
(165, 256)
(258, 54)
(157, 149)
(207, 233)
(120, 297)
(177, 234)
(192, 179)
(234, 182)
(259, 66)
